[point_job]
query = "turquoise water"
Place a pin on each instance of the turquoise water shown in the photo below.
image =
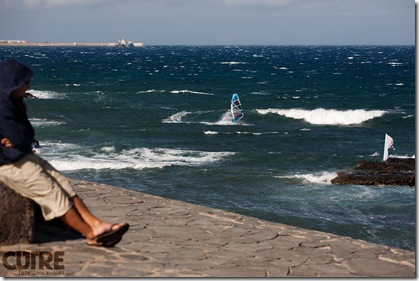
(156, 120)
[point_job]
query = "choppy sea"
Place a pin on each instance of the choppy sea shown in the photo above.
(156, 119)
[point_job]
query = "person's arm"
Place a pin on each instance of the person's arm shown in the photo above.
(16, 127)
(16, 134)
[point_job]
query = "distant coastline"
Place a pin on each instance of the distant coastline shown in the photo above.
(24, 43)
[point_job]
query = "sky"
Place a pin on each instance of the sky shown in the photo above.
(211, 22)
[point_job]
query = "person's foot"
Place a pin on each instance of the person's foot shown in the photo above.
(109, 237)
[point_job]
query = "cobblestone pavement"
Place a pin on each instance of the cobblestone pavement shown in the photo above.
(170, 238)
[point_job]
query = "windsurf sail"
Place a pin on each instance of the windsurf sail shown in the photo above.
(388, 143)
(236, 108)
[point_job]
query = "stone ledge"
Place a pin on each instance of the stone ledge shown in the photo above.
(169, 238)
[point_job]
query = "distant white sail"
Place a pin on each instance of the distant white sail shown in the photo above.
(388, 142)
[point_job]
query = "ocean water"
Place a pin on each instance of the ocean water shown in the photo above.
(156, 120)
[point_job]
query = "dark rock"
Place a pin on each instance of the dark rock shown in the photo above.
(22, 221)
(17, 217)
(393, 171)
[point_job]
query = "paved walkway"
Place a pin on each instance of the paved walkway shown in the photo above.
(170, 238)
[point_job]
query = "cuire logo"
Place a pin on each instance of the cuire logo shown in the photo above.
(37, 263)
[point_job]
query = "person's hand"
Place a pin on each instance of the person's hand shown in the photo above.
(6, 142)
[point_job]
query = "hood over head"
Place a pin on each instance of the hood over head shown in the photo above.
(13, 75)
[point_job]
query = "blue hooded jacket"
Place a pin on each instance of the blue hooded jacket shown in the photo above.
(14, 123)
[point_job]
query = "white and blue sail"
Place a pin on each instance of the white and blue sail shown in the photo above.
(236, 108)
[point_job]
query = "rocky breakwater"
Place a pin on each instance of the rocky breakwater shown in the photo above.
(393, 171)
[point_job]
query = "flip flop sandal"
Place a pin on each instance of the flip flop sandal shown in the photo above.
(112, 243)
(112, 234)
(108, 238)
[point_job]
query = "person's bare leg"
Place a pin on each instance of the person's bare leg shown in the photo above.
(97, 225)
(72, 218)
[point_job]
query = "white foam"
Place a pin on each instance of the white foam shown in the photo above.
(190, 92)
(225, 120)
(402, 156)
(247, 133)
(256, 133)
(177, 117)
(393, 63)
(321, 116)
(52, 149)
(317, 178)
(261, 93)
(41, 123)
(48, 95)
(175, 92)
(211, 133)
(232, 62)
(108, 149)
(138, 159)
(150, 91)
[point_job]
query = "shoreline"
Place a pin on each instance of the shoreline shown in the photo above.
(170, 238)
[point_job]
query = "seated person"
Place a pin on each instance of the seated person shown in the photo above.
(33, 177)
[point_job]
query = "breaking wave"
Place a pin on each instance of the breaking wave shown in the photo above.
(317, 178)
(321, 116)
(137, 158)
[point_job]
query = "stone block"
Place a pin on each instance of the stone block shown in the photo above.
(17, 217)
